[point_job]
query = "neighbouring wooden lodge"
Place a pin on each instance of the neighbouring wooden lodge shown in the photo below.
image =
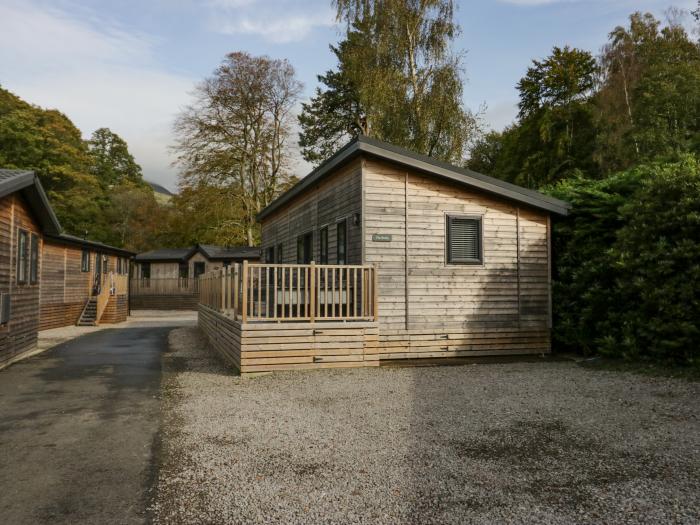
(168, 278)
(382, 254)
(50, 279)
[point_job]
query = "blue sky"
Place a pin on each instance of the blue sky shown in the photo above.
(130, 65)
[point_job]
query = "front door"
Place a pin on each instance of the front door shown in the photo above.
(199, 268)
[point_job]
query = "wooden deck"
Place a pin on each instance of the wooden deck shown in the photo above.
(267, 317)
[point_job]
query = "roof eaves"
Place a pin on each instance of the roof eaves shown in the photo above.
(77, 241)
(385, 151)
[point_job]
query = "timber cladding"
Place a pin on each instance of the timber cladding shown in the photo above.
(335, 199)
(428, 307)
(165, 302)
(256, 347)
(19, 336)
(116, 311)
(65, 287)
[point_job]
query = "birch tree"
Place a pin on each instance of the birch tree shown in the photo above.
(235, 135)
(397, 80)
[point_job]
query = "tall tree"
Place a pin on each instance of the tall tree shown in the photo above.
(555, 133)
(235, 136)
(397, 80)
(649, 97)
(112, 163)
(46, 141)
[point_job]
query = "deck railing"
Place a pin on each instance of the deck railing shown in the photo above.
(292, 292)
(164, 286)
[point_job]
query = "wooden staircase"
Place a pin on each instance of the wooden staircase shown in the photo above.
(89, 315)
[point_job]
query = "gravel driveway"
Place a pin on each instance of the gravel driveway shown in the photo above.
(544, 442)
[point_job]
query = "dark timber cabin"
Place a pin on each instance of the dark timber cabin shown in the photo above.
(167, 279)
(48, 278)
(461, 261)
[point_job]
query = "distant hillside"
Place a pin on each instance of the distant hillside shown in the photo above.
(163, 195)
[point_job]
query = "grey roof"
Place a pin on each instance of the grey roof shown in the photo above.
(423, 163)
(164, 254)
(211, 251)
(65, 238)
(27, 183)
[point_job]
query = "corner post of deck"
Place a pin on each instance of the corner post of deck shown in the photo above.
(222, 299)
(375, 292)
(234, 301)
(312, 292)
(244, 298)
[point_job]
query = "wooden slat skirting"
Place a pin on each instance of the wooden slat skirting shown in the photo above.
(266, 347)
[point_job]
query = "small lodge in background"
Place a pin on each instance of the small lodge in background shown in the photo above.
(48, 278)
(167, 279)
(383, 254)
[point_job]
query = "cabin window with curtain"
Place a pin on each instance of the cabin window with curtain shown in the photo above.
(270, 254)
(145, 270)
(22, 256)
(464, 245)
(85, 261)
(34, 260)
(341, 242)
(279, 254)
(105, 264)
(304, 248)
(323, 239)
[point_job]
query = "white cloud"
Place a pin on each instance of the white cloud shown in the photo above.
(96, 73)
(280, 31)
(276, 22)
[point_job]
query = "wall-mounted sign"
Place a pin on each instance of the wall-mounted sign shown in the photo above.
(381, 237)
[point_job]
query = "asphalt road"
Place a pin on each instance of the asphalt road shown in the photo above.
(78, 429)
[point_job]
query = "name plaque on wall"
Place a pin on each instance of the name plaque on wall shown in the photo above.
(381, 237)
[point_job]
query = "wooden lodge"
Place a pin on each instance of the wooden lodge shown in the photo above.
(382, 254)
(50, 279)
(168, 278)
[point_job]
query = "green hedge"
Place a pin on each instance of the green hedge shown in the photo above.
(627, 264)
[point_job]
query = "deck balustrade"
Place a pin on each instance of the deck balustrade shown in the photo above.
(292, 292)
(163, 286)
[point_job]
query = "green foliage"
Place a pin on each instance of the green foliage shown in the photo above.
(639, 102)
(233, 140)
(397, 81)
(555, 135)
(47, 142)
(565, 77)
(627, 260)
(94, 187)
(112, 163)
(485, 153)
(649, 98)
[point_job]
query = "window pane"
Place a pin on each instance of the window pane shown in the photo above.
(341, 248)
(464, 240)
(324, 245)
(21, 257)
(34, 260)
(279, 253)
